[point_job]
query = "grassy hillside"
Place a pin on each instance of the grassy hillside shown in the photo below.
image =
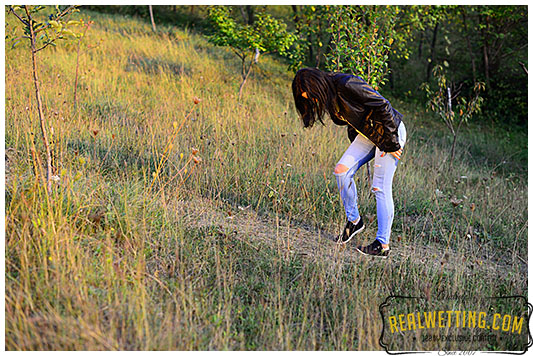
(177, 225)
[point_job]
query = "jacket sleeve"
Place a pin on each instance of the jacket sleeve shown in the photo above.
(338, 122)
(351, 133)
(363, 93)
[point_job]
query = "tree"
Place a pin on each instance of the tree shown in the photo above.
(311, 24)
(441, 101)
(41, 35)
(361, 40)
(152, 17)
(264, 35)
(497, 25)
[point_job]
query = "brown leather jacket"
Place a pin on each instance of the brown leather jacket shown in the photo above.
(364, 109)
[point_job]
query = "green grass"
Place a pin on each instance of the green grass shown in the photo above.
(109, 262)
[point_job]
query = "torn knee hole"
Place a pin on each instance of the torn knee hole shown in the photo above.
(341, 168)
(375, 189)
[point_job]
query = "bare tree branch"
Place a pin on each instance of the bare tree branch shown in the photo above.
(523, 67)
(43, 47)
(67, 10)
(17, 15)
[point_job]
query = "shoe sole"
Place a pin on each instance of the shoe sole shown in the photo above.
(367, 254)
(351, 236)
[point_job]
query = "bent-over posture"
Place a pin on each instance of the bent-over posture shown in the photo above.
(375, 129)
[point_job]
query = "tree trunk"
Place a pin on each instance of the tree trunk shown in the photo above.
(311, 55)
(318, 57)
(40, 105)
(486, 56)
(486, 64)
(452, 154)
(432, 53)
(454, 132)
(250, 12)
(469, 46)
(247, 13)
(296, 18)
(152, 17)
(243, 14)
(420, 43)
(245, 74)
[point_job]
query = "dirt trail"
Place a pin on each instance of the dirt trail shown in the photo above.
(248, 226)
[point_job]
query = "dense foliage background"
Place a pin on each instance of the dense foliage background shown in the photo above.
(474, 43)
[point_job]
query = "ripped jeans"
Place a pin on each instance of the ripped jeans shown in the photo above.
(360, 151)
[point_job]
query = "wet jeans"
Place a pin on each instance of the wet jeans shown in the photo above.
(360, 151)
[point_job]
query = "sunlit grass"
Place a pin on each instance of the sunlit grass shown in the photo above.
(108, 261)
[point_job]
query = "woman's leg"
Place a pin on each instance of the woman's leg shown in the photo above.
(360, 151)
(384, 169)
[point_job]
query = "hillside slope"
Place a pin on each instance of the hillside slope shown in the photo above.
(209, 225)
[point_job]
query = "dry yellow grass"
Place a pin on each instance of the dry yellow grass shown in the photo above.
(109, 261)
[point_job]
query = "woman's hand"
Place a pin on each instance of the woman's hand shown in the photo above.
(397, 154)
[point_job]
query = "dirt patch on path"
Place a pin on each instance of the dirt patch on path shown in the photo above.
(250, 227)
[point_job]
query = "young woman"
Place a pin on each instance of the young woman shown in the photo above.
(376, 131)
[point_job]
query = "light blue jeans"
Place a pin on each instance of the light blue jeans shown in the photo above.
(361, 151)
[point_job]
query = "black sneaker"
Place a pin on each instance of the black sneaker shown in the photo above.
(350, 230)
(374, 249)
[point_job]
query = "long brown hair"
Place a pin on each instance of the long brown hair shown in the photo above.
(321, 95)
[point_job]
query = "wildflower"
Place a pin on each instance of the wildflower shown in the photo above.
(194, 151)
(196, 159)
(95, 132)
(455, 201)
(196, 100)
(55, 178)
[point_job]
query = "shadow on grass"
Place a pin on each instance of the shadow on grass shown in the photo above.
(112, 159)
(154, 66)
(190, 17)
